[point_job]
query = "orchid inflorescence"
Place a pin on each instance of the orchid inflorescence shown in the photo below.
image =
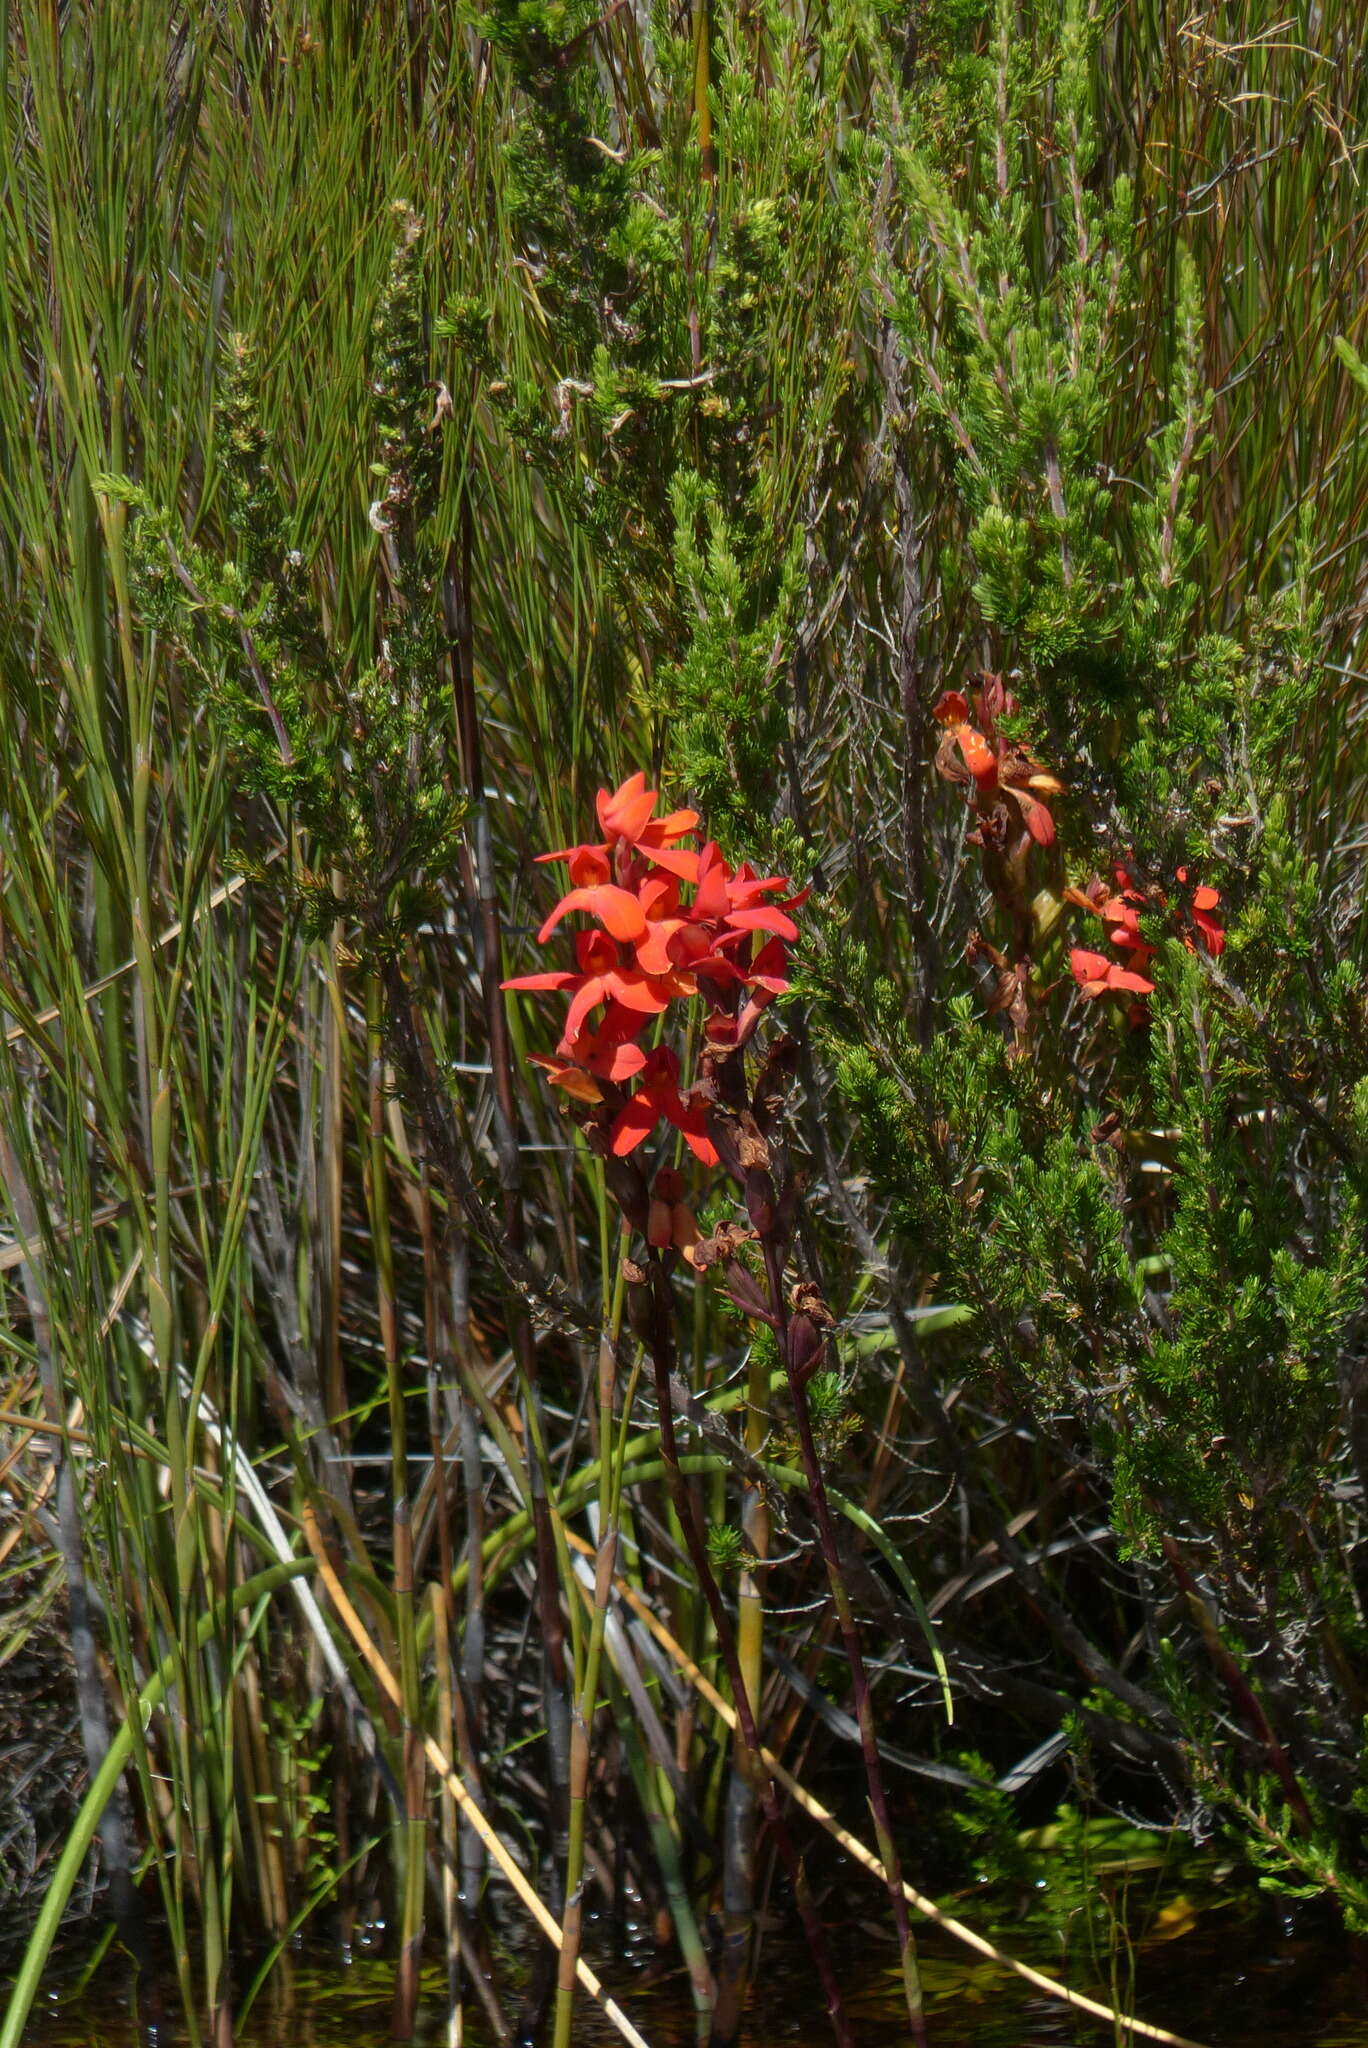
(647, 948)
(1006, 786)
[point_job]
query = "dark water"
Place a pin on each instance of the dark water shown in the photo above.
(1229, 1975)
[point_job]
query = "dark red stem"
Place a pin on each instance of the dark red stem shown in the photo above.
(662, 1347)
(859, 1677)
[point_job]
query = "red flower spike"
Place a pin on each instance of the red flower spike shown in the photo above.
(646, 948)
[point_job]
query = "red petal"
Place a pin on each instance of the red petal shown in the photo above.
(616, 909)
(672, 826)
(564, 980)
(979, 757)
(747, 888)
(582, 1002)
(608, 803)
(1039, 820)
(626, 813)
(676, 860)
(712, 900)
(951, 708)
(618, 1062)
(619, 1023)
(766, 917)
(1121, 977)
(637, 991)
(566, 853)
(653, 952)
(1206, 898)
(565, 1074)
(1089, 966)
(691, 1127)
(769, 968)
(632, 1124)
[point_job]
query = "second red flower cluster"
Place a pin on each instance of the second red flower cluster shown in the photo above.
(1119, 909)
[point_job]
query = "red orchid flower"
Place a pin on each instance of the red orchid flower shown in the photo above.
(626, 818)
(1204, 901)
(656, 1098)
(1098, 975)
(603, 977)
(610, 1053)
(735, 899)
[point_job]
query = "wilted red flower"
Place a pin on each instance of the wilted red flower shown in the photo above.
(952, 711)
(671, 1223)
(1009, 782)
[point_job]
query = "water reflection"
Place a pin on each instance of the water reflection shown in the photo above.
(1259, 1977)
